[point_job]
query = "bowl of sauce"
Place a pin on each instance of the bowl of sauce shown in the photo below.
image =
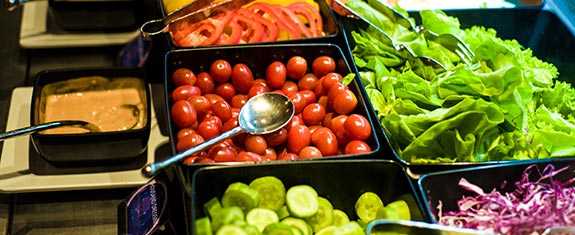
(115, 100)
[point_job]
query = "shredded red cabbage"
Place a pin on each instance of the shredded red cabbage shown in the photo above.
(530, 209)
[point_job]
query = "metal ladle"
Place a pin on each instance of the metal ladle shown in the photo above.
(262, 114)
(48, 125)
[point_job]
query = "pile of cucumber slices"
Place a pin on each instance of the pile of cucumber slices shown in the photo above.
(265, 207)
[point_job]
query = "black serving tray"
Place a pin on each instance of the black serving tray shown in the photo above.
(443, 186)
(535, 28)
(341, 182)
(257, 57)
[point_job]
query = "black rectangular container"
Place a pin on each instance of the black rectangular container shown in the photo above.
(89, 147)
(341, 182)
(258, 57)
(330, 28)
(443, 186)
(541, 30)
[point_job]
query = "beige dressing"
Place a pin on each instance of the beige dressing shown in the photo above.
(110, 110)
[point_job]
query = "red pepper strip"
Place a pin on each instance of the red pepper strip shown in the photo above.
(205, 32)
(232, 33)
(273, 15)
(290, 16)
(311, 14)
(270, 29)
(252, 31)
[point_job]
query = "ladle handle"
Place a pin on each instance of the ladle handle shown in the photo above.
(40, 127)
(153, 168)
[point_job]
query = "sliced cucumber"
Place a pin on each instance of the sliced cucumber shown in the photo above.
(300, 224)
(279, 229)
(339, 218)
(302, 201)
(397, 210)
(323, 217)
(367, 206)
(251, 230)
(261, 218)
(283, 212)
(212, 206)
(241, 195)
(203, 226)
(231, 230)
(330, 230)
(227, 215)
(271, 190)
(351, 228)
(363, 224)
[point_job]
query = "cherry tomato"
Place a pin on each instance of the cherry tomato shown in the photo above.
(226, 91)
(200, 103)
(337, 127)
(295, 121)
(308, 82)
(270, 155)
(242, 78)
(213, 98)
(308, 96)
(188, 142)
(206, 161)
(190, 160)
(238, 101)
(276, 74)
(314, 128)
(285, 156)
(296, 67)
(323, 101)
(184, 114)
(212, 118)
(221, 71)
(309, 152)
(357, 147)
(313, 114)
(230, 124)
(223, 110)
(248, 157)
(235, 113)
(185, 132)
(335, 90)
(344, 102)
(184, 92)
(183, 76)
(205, 83)
(257, 89)
(277, 138)
(325, 141)
(323, 65)
(357, 127)
(208, 129)
(289, 88)
(222, 154)
(319, 90)
(298, 138)
(327, 120)
(260, 81)
(256, 144)
(330, 80)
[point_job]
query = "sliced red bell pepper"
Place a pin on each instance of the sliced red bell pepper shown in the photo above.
(232, 33)
(269, 12)
(270, 33)
(252, 31)
(205, 32)
(312, 16)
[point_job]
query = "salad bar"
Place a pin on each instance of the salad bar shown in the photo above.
(341, 117)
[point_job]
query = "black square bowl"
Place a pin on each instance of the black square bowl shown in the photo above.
(540, 30)
(341, 182)
(443, 186)
(257, 57)
(89, 147)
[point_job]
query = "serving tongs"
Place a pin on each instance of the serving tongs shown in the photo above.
(195, 11)
(397, 46)
(417, 228)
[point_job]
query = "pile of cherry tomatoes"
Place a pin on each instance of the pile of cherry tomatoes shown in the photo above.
(207, 104)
